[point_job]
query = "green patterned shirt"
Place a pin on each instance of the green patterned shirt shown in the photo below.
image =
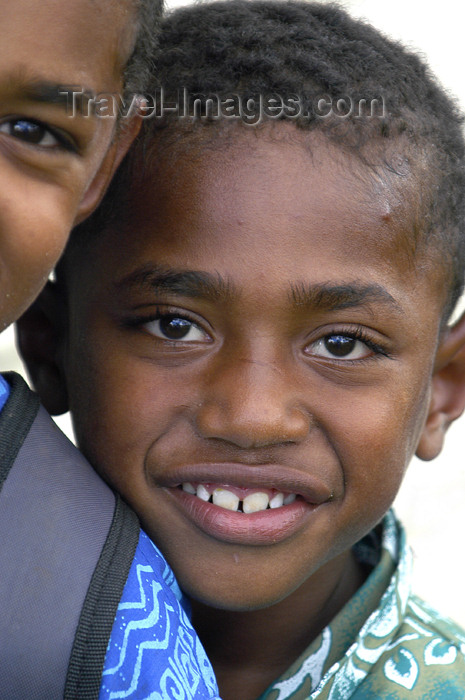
(385, 643)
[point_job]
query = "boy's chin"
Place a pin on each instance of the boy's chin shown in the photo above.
(247, 586)
(245, 598)
(241, 588)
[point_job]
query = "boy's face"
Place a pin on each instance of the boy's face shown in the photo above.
(51, 169)
(255, 325)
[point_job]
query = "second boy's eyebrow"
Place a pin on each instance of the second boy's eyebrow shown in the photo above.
(186, 283)
(330, 297)
(199, 284)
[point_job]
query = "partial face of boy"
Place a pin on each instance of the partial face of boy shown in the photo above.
(255, 325)
(53, 167)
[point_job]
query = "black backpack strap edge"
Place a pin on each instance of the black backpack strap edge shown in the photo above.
(98, 613)
(16, 418)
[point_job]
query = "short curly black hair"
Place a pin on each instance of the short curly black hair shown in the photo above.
(262, 47)
(139, 69)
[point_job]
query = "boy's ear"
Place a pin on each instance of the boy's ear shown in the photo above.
(128, 131)
(448, 391)
(39, 336)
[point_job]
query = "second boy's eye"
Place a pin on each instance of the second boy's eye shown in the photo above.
(340, 347)
(172, 327)
(32, 132)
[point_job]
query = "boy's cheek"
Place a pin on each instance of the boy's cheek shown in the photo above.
(33, 236)
(23, 273)
(375, 436)
(28, 252)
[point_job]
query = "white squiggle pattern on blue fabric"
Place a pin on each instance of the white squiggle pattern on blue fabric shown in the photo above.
(154, 652)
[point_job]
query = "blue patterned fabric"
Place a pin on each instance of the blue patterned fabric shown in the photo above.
(154, 652)
(4, 392)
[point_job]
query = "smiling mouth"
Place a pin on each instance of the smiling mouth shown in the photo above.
(240, 500)
(276, 502)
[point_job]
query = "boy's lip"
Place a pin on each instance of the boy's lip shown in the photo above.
(265, 527)
(311, 488)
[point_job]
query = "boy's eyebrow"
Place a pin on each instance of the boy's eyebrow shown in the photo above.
(24, 85)
(188, 283)
(331, 297)
(213, 287)
(67, 96)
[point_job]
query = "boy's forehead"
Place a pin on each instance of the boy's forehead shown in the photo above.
(270, 194)
(308, 175)
(80, 41)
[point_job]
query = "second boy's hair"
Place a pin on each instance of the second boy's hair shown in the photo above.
(251, 48)
(138, 73)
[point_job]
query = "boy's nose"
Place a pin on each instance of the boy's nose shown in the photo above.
(252, 404)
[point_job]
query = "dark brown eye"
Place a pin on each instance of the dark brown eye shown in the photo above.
(339, 345)
(172, 327)
(30, 131)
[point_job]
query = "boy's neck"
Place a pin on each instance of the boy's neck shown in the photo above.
(249, 650)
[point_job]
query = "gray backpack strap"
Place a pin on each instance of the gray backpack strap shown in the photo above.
(66, 547)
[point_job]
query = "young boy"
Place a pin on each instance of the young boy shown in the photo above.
(252, 337)
(69, 549)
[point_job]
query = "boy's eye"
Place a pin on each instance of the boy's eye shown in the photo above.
(32, 132)
(171, 327)
(340, 347)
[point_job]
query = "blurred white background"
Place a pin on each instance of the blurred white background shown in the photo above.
(432, 499)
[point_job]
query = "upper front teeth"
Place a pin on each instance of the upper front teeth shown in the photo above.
(225, 499)
(252, 503)
(255, 502)
(277, 501)
(202, 492)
